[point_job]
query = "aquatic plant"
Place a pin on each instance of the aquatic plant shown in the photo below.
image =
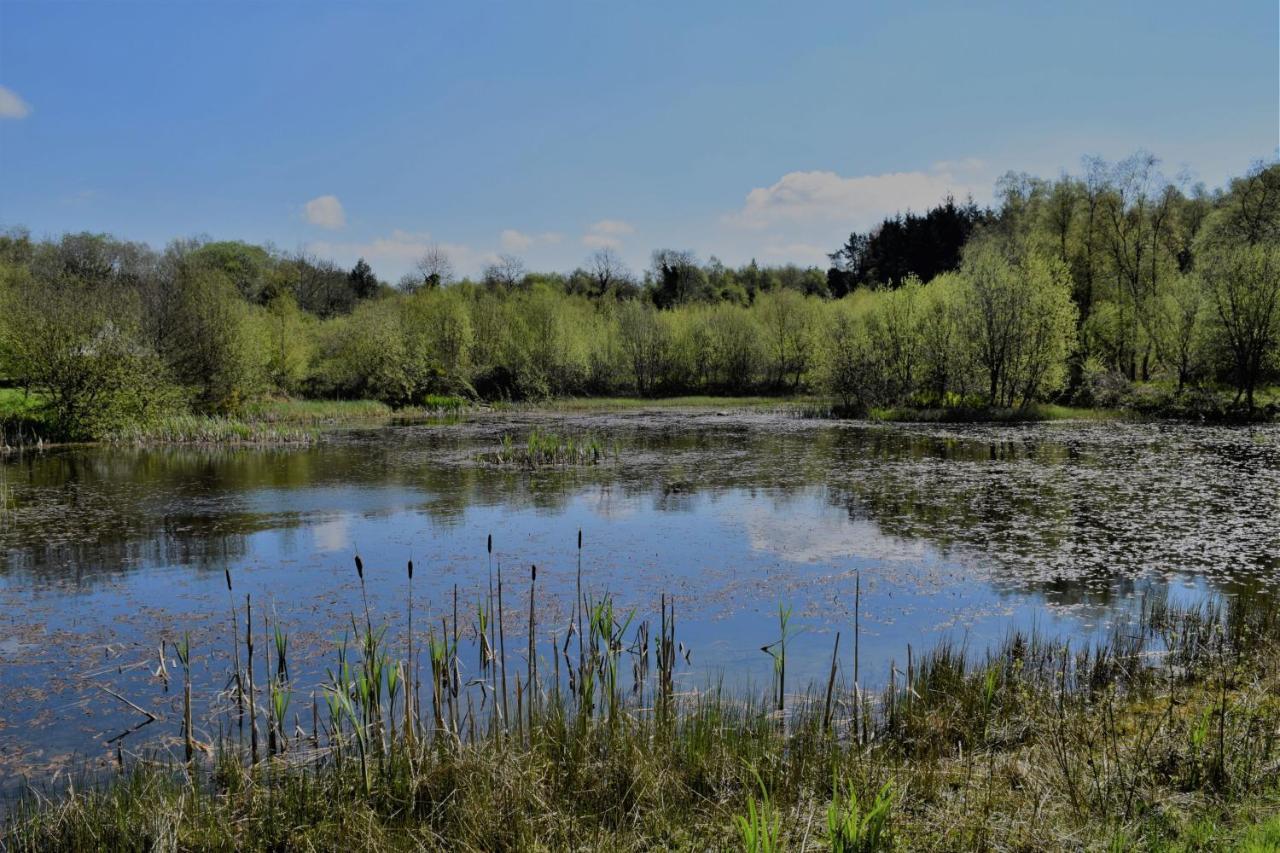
(1163, 730)
(544, 448)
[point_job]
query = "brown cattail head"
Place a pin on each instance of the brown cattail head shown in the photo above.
(359, 567)
(533, 575)
(227, 572)
(411, 570)
(579, 538)
(490, 543)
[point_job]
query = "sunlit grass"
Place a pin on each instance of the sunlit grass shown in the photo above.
(547, 448)
(205, 429)
(1035, 412)
(696, 401)
(290, 411)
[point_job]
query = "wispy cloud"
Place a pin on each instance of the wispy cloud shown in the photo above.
(326, 212)
(607, 234)
(615, 227)
(395, 254)
(857, 202)
(11, 105)
(803, 216)
(806, 254)
(518, 241)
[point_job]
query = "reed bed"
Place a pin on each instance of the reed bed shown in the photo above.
(1163, 735)
(542, 449)
(209, 429)
(320, 412)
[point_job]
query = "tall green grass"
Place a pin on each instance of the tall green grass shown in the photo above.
(318, 412)
(207, 429)
(542, 448)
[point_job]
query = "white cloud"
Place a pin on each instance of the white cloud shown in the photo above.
(325, 211)
(599, 241)
(518, 241)
(854, 202)
(806, 254)
(967, 164)
(607, 234)
(393, 255)
(611, 227)
(11, 105)
(515, 241)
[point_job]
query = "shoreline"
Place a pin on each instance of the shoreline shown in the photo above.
(300, 422)
(1156, 737)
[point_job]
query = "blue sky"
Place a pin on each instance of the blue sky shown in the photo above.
(739, 129)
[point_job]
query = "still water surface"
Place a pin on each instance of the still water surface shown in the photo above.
(955, 531)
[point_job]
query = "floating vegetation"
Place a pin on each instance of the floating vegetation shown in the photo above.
(546, 448)
(1161, 734)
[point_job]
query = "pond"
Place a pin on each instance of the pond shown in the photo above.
(963, 532)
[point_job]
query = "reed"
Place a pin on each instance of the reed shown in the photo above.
(209, 429)
(253, 712)
(502, 650)
(182, 648)
(549, 449)
(1162, 734)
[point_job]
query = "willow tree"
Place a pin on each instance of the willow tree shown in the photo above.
(643, 340)
(1020, 321)
(1243, 286)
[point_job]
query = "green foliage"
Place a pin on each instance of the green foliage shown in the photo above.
(544, 448)
(761, 827)
(851, 829)
(1091, 291)
(1158, 736)
(84, 349)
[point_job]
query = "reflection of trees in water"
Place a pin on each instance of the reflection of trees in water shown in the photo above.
(1072, 514)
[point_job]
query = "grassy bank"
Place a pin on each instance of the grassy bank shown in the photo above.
(592, 404)
(1036, 412)
(24, 421)
(319, 412)
(1165, 736)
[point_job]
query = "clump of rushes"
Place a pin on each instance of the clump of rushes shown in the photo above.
(208, 429)
(183, 650)
(1161, 735)
(547, 449)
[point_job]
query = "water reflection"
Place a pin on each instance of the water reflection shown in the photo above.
(962, 529)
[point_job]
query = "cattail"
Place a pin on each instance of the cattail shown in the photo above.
(360, 567)
(533, 657)
(411, 570)
(579, 538)
(227, 572)
(490, 543)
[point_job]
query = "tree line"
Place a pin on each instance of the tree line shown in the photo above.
(1083, 288)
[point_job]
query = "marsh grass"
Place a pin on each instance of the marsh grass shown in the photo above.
(543, 449)
(321, 412)
(696, 401)
(1032, 413)
(1164, 734)
(260, 422)
(207, 429)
